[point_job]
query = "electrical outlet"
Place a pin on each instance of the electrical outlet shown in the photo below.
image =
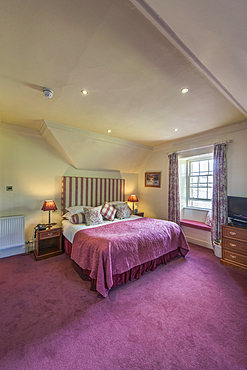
(9, 188)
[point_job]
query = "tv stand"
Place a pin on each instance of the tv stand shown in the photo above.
(234, 246)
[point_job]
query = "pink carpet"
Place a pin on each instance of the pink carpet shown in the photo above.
(188, 314)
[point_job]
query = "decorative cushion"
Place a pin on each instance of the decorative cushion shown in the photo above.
(93, 215)
(209, 219)
(78, 218)
(123, 211)
(108, 211)
(75, 209)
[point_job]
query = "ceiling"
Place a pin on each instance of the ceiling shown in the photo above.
(133, 57)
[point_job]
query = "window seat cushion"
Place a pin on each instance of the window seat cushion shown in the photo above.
(195, 225)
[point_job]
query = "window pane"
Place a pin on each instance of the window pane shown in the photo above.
(200, 204)
(194, 167)
(204, 166)
(203, 179)
(211, 165)
(203, 193)
(210, 193)
(210, 180)
(193, 181)
(193, 193)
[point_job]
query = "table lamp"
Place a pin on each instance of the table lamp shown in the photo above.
(133, 199)
(49, 205)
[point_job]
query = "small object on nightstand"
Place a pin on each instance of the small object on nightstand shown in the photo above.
(141, 214)
(48, 243)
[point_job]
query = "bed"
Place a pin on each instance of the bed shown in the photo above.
(115, 250)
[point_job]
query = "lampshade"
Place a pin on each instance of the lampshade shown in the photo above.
(133, 198)
(49, 205)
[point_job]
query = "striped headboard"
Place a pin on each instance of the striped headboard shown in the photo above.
(90, 191)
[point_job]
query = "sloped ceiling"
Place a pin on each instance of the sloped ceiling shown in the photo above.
(212, 34)
(133, 58)
(91, 151)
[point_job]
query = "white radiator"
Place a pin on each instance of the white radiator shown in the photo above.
(12, 235)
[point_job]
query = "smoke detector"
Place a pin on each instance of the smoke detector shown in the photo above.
(47, 92)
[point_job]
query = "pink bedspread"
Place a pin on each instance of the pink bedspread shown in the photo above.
(118, 247)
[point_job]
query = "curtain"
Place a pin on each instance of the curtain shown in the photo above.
(219, 201)
(173, 195)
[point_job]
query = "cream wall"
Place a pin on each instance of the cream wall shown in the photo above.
(154, 201)
(34, 169)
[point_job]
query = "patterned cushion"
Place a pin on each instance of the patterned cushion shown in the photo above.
(108, 211)
(209, 219)
(123, 211)
(78, 218)
(93, 215)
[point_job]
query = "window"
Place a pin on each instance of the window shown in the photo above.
(199, 183)
(196, 181)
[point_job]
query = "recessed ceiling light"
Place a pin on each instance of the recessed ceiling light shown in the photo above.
(184, 90)
(84, 92)
(108, 130)
(175, 129)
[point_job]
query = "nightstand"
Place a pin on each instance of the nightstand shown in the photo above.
(48, 243)
(141, 214)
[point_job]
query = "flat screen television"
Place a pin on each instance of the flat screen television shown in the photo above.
(237, 210)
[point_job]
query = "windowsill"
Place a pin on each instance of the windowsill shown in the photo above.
(195, 225)
(197, 209)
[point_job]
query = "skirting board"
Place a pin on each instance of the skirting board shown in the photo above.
(12, 251)
(200, 242)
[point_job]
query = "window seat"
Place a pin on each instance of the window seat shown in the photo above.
(195, 225)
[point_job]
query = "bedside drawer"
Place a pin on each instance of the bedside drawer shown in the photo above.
(235, 245)
(234, 257)
(235, 233)
(49, 234)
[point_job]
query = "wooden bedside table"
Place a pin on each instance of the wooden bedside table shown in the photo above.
(141, 214)
(48, 243)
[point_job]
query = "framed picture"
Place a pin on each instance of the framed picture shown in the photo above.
(152, 179)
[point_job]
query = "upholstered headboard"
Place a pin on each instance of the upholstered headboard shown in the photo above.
(90, 191)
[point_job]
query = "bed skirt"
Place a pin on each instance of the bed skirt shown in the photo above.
(135, 272)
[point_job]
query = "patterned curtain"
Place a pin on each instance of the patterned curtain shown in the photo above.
(173, 196)
(219, 203)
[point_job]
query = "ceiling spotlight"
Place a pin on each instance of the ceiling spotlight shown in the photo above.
(109, 131)
(47, 92)
(175, 129)
(184, 90)
(84, 92)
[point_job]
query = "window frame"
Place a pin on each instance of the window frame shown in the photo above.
(190, 160)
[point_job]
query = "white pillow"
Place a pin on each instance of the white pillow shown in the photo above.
(66, 216)
(75, 209)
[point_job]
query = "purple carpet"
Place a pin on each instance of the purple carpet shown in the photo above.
(188, 314)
